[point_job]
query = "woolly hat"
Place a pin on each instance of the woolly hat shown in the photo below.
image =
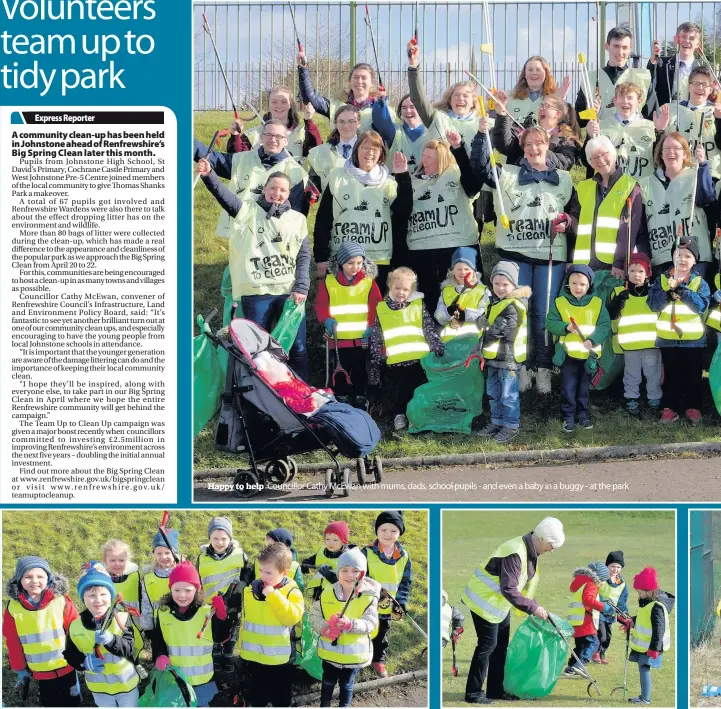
(550, 530)
(173, 537)
(642, 260)
(509, 269)
(615, 557)
(222, 523)
(391, 517)
(184, 572)
(599, 568)
(686, 243)
(464, 254)
(353, 557)
(340, 529)
(94, 573)
(25, 563)
(582, 269)
(349, 250)
(646, 580)
(281, 535)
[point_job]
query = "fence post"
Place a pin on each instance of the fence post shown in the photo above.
(353, 61)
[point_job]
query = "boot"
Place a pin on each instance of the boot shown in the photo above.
(633, 408)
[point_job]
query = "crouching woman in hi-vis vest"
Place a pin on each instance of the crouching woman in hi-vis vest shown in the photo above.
(269, 254)
(506, 579)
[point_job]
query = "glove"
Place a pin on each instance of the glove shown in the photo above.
(257, 588)
(626, 623)
(653, 654)
(330, 632)
(93, 664)
(452, 309)
(327, 573)
(366, 336)
(162, 662)
(23, 676)
(461, 315)
(458, 632)
(481, 322)
(439, 350)
(717, 296)
(103, 637)
(328, 324)
(344, 625)
(218, 605)
(623, 296)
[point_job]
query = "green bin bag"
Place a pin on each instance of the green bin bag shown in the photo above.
(609, 361)
(536, 657)
(288, 324)
(307, 659)
(168, 688)
(715, 376)
(453, 396)
(208, 382)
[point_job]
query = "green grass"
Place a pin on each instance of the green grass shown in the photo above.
(540, 422)
(71, 538)
(647, 538)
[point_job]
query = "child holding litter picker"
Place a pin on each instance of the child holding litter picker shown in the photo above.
(102, 642)
(451, 619)
(346, 307)
(155, 577)
(186, 628)
(349, 618)
(614, 592)
(651, 633)
(285, 537)
(324, 563)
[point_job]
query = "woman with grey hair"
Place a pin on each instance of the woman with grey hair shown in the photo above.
(611, 213)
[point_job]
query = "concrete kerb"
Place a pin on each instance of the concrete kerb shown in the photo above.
(557, 455)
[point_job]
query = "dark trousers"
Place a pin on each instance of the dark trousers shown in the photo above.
(575, 384)
(353, 360)
(584, 648)
(342, 676)
(382, 277)
(56, 692)
(605, 630)
(404, 379)
(268, 684)
(489, 658)
(380, 642)
(265, 310)
(682, 383)
(431, 267)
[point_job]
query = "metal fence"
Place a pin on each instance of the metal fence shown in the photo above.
(256, 42)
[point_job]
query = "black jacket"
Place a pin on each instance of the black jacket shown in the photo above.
(504, 330)
(658, 621)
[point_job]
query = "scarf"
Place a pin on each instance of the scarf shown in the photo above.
(413, 133)
(377, 177)
(534, 95)
(360, 105)
(470, 117)
(272, 160)
(528, 175)
(273, 210)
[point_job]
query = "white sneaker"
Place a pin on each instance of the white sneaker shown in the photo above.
(524, 379)
(400, 422)
(543, 381)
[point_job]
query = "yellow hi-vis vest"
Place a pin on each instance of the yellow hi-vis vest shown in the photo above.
(263, 638)
(294, 566)
(600, 228)
(607, 89)
(577, 612)
(317, 580)
(470, 299)
(118, 675)
(156, 587)
(446, 618)
(713, 318)
(216, 575)
(688, 125)
(530, 210)
(263, 251)
(248, 176)
(351, 648)
(669, 208)
(483, 591)
(41, 634)
(295, 139)
(690, 323)
(442, 215)
(635, 328)
(348, 305)
(130, 590)
(642, 631)
(322, 160)
(611, 593)
(389, 576)
(403, 332)
(586, 317)
(192, 654)
(519, 342)
(362, 214)
(633, 143)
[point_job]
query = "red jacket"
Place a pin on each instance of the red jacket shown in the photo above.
(590, 603)
(322, 304)
(16, 655)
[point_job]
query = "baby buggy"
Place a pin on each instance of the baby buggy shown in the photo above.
(269, 414)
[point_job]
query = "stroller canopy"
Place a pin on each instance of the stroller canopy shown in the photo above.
(252, 339)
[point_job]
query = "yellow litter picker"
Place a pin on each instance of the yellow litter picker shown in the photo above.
(504, 219)
(590, 113)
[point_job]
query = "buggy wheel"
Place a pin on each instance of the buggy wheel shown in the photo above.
(329, 482)
(378, 468)
(293, 468)
(346, 482)
(245, 484)
(278, 471)
(360, 468)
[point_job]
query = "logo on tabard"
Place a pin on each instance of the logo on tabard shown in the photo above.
(687, 198)
(646, 138)
(677, 212)
(346, 196)
(536, 202)
(386, 201)
(425, 195)
(247, 177)
(362, 207)
(634, 149)
(378, 214)
(412, 160)
(666, 209)
(516, 109)
(258, 189)
(277, 239)
(440, 199)
(452, 185)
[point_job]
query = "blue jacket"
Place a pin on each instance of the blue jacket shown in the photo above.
(404, 587)
(622, 601)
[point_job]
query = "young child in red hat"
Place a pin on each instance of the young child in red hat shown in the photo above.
(651, 631)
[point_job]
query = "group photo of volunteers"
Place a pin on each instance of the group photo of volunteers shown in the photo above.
(239, 608)
(525, 258)
(567, 608)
